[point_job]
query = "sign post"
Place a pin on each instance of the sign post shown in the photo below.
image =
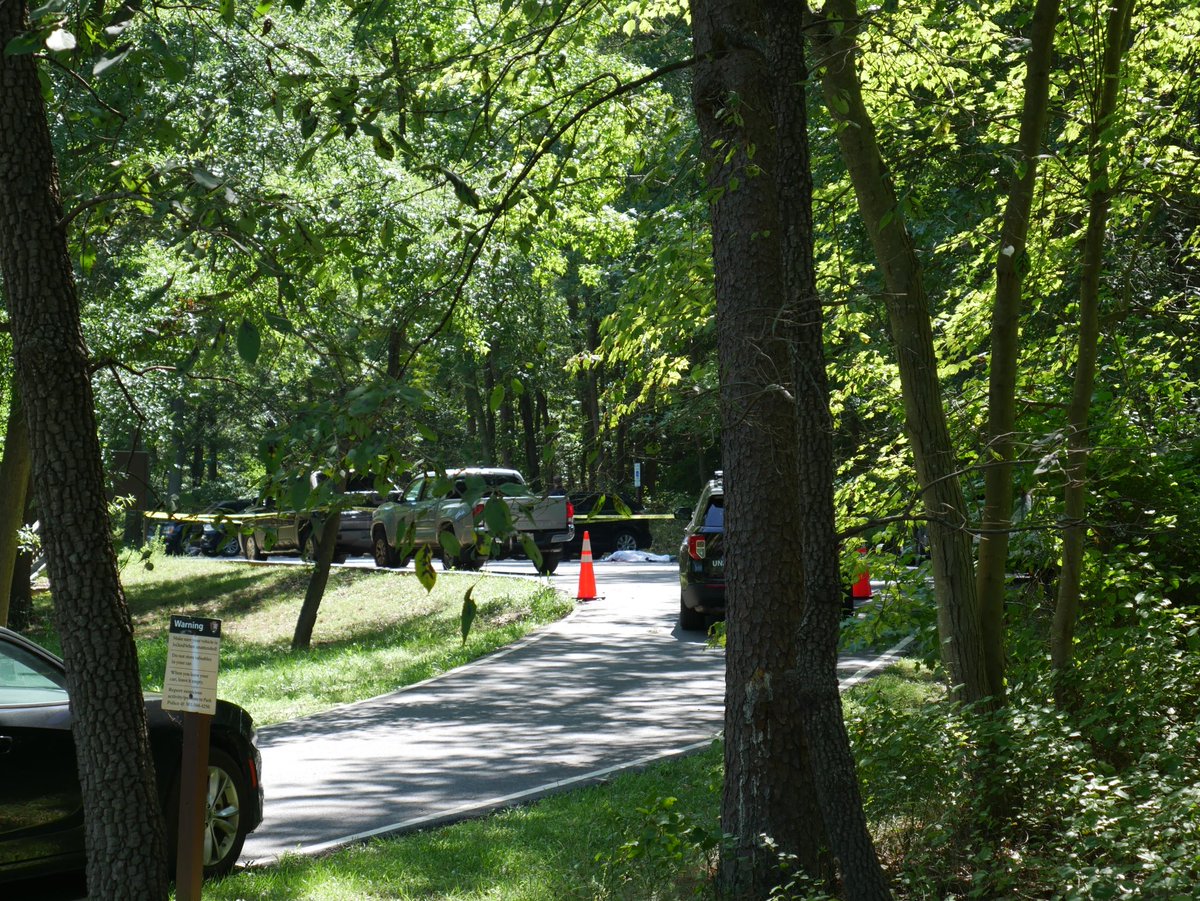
(190, 686)
(637, 480)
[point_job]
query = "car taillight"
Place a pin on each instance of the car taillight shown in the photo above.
(570, 512)
(477, 512)
(697, 544)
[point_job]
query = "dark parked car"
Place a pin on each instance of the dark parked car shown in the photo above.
(616, 529)
(41, 813)
(702, 558)
(221, 539)
(212, 539)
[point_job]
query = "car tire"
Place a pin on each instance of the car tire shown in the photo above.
(625, 540)
(385, 555)
(226, 822)
(691, 620)
(251, 549)
(550, 561)
(229, 547)
(308, 546)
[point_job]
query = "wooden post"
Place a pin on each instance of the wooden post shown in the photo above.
(193, 807)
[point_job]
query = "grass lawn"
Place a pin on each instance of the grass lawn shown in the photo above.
(567, 846)
(376, 631)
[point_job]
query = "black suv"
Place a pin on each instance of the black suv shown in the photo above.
(702, 558)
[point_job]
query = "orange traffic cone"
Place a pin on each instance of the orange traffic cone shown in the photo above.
(587, 578)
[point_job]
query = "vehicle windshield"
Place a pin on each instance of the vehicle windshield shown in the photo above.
(26, 678)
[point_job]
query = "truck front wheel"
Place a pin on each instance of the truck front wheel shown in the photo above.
(385, 555)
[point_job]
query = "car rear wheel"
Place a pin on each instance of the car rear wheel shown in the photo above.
(690, 620)
(308, 547)
(251, 549)
(550, 561)
(625, 540)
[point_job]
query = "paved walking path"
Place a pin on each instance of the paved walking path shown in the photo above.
(616, 684)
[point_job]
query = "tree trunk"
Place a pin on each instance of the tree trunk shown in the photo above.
(774, 803)
(1011, 264)
(126, 850)
(1066, 611)
(307, 620)
(959, 625)
(14, 476)
(175, 476)
(834, 774)
(533, 468)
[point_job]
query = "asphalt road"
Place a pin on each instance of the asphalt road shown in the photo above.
(616, 685)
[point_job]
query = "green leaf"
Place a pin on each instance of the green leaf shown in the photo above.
(228, 10)
(450, 543)
(463, 191)
(423, 565)
(104, 63)
(497, 517)
(468, 613)
(249, 341)
(24, 44)
(298, 492)
(516, 387)
(279, 323)
(60, 39)
(383, 149)
(205, 179)
(496, 398)
(531, 550)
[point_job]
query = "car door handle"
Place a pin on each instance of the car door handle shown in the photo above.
(6, 743)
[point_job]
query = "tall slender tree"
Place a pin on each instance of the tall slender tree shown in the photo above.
(1012, 261)
(1100, 194)
(126, 849)
(959, 625)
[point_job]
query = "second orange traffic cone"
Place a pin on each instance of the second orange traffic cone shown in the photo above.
(587, 578)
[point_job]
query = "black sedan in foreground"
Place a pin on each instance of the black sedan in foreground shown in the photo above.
(41, 812)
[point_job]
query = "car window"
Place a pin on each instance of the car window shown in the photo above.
(714, 516)
(26, 678)
(413, 493)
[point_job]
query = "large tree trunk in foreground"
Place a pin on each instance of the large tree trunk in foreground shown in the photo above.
(14, 480)
(1078, 441)
(959, 624)
(126, 853)
(1011, 263)
(790, 787)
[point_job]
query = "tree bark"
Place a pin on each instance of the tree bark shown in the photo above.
(126, 850)
(815, 667)
(14, 476)
(307, 620)
(1012, 262)
(533, 467)
(750, 109)
(959, 625)
(1100, 194)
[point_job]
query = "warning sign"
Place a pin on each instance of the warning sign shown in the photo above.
(193, 650)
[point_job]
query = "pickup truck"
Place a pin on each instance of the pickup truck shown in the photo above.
(450, 515)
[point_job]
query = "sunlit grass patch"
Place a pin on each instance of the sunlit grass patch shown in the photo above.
(376, 631)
